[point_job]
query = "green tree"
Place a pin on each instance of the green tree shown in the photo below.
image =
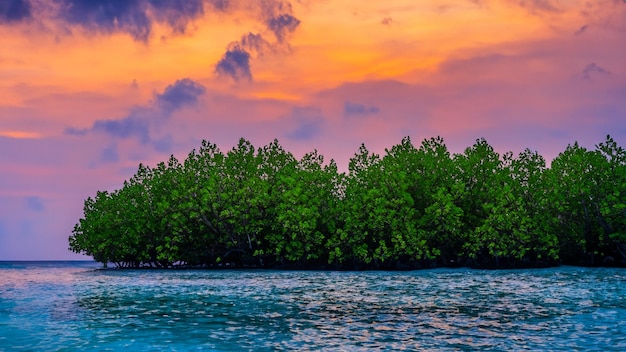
(203, 180)
(411, 205)
(274, 164)
(355, 240)
(610, 204)
(101, 232)
(437, 194)
(399, 179)
(303, 212)
(242, 194)
(573, 176)
(529, 185)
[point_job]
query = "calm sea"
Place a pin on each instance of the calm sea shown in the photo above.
(67, 306)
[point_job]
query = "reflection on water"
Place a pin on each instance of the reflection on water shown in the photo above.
(75, 307)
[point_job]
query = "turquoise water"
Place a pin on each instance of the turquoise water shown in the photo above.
(65, 306)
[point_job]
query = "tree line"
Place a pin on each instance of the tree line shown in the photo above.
(413, 207)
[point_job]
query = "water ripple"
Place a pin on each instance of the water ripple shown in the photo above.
(73, 308)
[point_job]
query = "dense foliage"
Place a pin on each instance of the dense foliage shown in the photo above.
(413, 207)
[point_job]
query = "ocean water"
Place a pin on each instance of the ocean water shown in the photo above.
(68, 306)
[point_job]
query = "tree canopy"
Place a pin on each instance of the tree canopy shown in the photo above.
(413, 207)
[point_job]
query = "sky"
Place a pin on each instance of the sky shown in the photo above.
(91, 88)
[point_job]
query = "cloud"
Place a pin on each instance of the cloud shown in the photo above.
(387, 21)
(72, 131)
(108, 16)
(481, 64)
(35, 204)
(12, 11)
(351, 109)
(278, 18)
(592, 70)
(138, 18)
(220, 5)
(235, 63)
(539, 6)
(282, 25)
(308, 123)
(274, 8)
(183, 92)
(164, 144)
(581, 30)
(177, 14)
(254, 43)
(110, 154)
(139, 122)
(134, 17)
(135, 124)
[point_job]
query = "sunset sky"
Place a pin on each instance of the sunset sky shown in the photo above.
(91, 88)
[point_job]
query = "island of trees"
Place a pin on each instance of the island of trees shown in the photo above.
(414, 207)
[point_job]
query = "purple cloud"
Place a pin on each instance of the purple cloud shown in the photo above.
(254, 43)
(352, 109)
(138, 123)
(133, 125)
(134, 17)
(12, 11)
(35, 204)
(110, 154)
(235, 63)
(183, 92)
(538, 6)
(308, 123)
(164, 144)
(581, 30)
(72, 131)
(177, 14)
(277, 16)
(108, 16)
(282, 25)
(592, 70)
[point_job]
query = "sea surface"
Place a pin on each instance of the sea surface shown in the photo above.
(70, 306)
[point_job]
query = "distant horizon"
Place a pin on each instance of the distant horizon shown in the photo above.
(47, 260)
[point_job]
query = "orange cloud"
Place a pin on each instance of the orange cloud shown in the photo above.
(20, 134)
